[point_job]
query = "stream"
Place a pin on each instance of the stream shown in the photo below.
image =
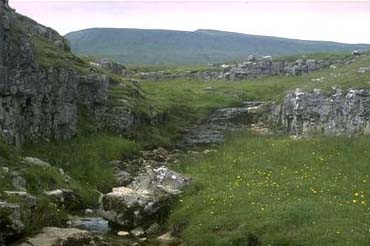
(210, 132)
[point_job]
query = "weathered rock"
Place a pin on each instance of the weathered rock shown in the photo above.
(4, 171)
(153, 229)
(138, 232)
(358, 52)
(10, 221)
(29, 200)
(40, 100)
(88, 211)
(123, 178)
(168, 240)
(118, 119)
(123, 233)
(364, 70)
(113, 67)
(65, 198)
(307, 113)
(18, 181)
(32, 161)
(219, 123)
(141, 202)
(52, 236)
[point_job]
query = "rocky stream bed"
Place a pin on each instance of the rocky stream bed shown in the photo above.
(132, 213)
(150, 190)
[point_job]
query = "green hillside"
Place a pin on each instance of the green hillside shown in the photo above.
(164, 47)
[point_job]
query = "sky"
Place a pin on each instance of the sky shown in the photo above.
(341, 21)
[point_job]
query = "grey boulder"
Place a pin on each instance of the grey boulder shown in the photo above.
(142, 201)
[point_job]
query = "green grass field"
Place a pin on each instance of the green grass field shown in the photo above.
(277, 191)
(270, 190)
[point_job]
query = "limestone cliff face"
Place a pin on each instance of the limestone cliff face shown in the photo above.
(40, 94)
(341, 113)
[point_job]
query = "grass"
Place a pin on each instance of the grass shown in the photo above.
(186, 102)
(194, 93)
(85, 159)
(278, 191)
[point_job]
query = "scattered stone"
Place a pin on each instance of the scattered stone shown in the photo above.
(29, 201)
(251, 68)
(66, 177)
(52, 236)
(364, 70)
(88, 211)
(111, 66)
(4, 170)
(65, 198)
(18, 181)
(142, 240)
(123, 233)
(358, 52)
(153, 229)
(137, 232)
(168, 239)
(123, 178)
(32, 161)
(159, 155)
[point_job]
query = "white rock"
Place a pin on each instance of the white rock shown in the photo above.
(32, 161)
(123, 233)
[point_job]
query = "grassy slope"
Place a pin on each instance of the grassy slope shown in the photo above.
(278, 191)
(164, 47)
(273, 191)
(194, 95)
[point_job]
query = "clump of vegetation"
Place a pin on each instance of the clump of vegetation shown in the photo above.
(281, 191)
(85, 159)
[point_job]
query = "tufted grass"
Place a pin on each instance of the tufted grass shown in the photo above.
(277, 191)
(194, 93)
(85, 159)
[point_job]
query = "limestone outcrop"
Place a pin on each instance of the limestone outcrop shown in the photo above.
(145, 199)
(43, 87)
(339, 113)
(251, 68)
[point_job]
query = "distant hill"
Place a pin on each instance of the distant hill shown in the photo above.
(165, 47)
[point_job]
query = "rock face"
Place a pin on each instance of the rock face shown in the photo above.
(307, 113)
(113, 67)
(10, 221)
(52, 236)
(144, 200)
(5, 2)
(41, 93)
(35, 103)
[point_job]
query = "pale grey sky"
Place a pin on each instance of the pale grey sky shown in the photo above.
(343, 21)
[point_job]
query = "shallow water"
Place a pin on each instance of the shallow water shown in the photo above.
(100, 227)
